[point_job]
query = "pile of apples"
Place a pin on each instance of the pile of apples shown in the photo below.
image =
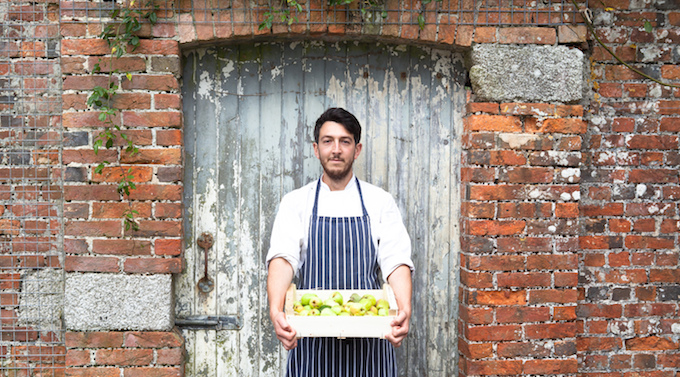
(311, 305)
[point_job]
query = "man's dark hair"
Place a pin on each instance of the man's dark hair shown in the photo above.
(341, 116)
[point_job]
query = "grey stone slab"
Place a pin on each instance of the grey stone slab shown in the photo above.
(96, 301)
(509, 73)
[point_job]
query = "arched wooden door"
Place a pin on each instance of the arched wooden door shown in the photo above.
(249, 112)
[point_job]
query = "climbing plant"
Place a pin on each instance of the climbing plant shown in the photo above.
(290, 8)
(121, 35)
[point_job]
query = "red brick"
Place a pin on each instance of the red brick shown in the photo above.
(485, 34)
(522, 349)
(649, 309)
(626, 276)
(170, 356)
(168, 137)
(651, 343)
(494, 333)
(649, 242)
(166, 246)
(496, 227)
(522, 314)
(609, 209)
(157, 47)
(93, 372)
(157, 192)
(121, 247)
(152, 372)
(566, 210)
(152, 119)
(560, 125)
(482, 107)
(565, 313)
(493, 367)
(90, 264)
(476, 316)
(619, 259)
(91, 192)
(498, 298)
(610, 90)
(167, 210)
(124, 357)
(547, 366)
(669, 124)
(165, 156)
(524, 210)
(526, 175)
(598, 344)
(560, 296)
(113, 174)
(77, 357)
(161, 83)
(94, 46)
(167, 101)
(524, 279)
(652, 142)
(669, 107)
(552, 262)
(477, 175)
(497, 192)
(87, 119)
(492, 123)
(153, 265)
(496, 262)
(529, 35)
(116, 210)
(87, 82)
(524, 244)
(476, 280)
(475, 351)
(93, 228)
(122, 64)
(152, 228)
(550, 330)
(153, 339)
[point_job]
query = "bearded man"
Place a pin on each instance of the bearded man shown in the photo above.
(339, 233)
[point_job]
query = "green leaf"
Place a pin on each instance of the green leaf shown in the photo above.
(421, 21)
(648, 26)
(109, 143)
(99, 168)
(102, 117)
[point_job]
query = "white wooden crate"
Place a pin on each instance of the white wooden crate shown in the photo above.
(341, 326)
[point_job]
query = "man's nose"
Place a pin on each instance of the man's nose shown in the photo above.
(336, 146)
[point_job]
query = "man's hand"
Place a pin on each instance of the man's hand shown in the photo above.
(399, 329)
(284, 331)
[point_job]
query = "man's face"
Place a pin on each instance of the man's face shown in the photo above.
(336, 150)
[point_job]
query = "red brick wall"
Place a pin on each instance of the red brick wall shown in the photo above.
(560, 274)
(628, 258)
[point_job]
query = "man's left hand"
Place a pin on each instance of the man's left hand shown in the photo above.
(399, 329)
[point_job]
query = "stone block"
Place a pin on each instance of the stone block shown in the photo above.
(527, 73)
(101, 301)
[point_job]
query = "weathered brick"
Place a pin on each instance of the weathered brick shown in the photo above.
(121, 247)
(494, 333)
(651, 343)
(153, 339)
(90, 264)
(521, 314)
(529, 35)
(124, 357)
(492, 123)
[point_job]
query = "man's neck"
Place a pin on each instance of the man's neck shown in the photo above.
(337, 185)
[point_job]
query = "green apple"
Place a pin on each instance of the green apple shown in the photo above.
(297, 306)
(356, 309)
(304, 312)
(373, 310)
(344, 314)
(354, 297)
(327, 311)
(337, 309)
(382, 303)
(314, 312)
(315, 302)
(370, 297)
(382, 312)
(370, 313)
(331, 303)
(337, 297)
(366, 303)
(304, 300)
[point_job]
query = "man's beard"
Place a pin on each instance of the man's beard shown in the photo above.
(338, 175)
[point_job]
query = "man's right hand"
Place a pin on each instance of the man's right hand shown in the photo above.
(284, 331)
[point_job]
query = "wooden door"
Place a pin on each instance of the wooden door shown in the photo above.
(249, 112)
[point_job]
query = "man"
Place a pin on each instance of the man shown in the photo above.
(337, 233)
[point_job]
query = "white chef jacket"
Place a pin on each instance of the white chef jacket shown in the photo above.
(291, 226)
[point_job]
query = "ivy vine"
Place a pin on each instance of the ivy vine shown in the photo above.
(290, 9)
(121, 37)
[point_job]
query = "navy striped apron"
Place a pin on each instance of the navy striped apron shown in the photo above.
(340, 255)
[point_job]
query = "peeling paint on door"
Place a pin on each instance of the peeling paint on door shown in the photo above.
(249, 114)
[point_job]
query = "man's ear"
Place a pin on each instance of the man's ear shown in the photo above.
(316, 149)
(357, 151)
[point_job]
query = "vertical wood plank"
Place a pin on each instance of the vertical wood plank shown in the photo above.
(376, 133)
(314, 90)
(418, 202)
(357, 97)
(227, 75)
(271, 156)
(439, 212)
(249, 254)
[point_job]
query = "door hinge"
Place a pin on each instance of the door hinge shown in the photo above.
(210, 322)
